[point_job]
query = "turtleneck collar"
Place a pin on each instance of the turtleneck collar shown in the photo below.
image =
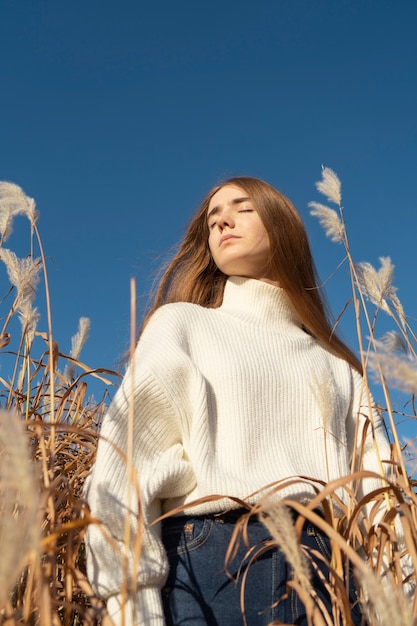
(255, 301)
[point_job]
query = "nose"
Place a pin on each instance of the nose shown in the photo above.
(225, 220)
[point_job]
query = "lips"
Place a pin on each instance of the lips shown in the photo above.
(226, 238)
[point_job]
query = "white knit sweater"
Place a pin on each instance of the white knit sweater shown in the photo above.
(225, 401)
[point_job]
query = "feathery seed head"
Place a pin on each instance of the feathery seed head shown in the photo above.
(386, 604)
(19, 501)
(394, 342)
(399, 370)
(377, 285)
(13, 201)
(23, 274)
(329, 220)
(330, 185)
(322, 387)
(79, 339)
(77, 343)
(29, 318)
(6, 220)
(280, 524)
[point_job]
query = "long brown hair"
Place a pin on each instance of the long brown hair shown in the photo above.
(192, 275)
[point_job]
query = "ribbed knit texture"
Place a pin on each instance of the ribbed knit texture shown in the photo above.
(226, 401)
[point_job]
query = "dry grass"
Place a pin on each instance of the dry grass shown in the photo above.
(49, 428)
(42, 533)
(48, 436)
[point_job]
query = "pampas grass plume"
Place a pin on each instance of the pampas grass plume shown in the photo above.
(386, 604)
(398, 369)
(377, 285)
(394, 342)
(77, 344)
(279, 522)
(13, 201)
(330, 185)
(23, 274)
(19, 502)
(329, 220)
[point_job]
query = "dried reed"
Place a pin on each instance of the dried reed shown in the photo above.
(48, 435)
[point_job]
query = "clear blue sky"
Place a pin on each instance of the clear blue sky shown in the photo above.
(118, 116)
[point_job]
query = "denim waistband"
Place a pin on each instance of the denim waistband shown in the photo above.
(232, 516)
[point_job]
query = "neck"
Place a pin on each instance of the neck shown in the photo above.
(275, 283)
(260, 302)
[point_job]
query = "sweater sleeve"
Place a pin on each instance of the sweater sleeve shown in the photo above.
(126, 562)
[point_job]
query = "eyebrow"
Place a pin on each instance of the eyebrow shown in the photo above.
(216, 209)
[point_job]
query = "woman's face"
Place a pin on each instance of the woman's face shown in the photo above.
(238, 241)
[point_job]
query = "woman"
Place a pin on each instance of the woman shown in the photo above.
(233, 372)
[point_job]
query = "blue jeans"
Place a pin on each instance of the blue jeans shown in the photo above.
(198, 591)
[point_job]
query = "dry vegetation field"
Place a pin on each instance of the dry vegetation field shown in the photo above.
(49, 427)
